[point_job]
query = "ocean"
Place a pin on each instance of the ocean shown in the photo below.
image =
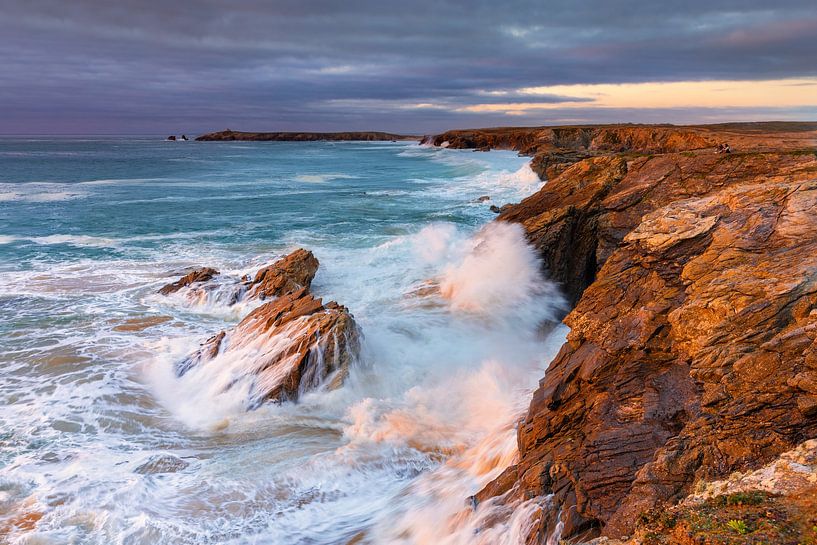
(91, 228)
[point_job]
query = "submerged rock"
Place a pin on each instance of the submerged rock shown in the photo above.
(284, 348)
(141, 323)
(161, 463)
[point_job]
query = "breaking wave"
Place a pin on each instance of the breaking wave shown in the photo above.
(105, 444)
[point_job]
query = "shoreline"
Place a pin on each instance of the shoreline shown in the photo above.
(687, 379)
(618, 201)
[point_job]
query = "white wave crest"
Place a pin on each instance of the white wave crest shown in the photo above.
(82, 241)
(321, 178)
(38, 192)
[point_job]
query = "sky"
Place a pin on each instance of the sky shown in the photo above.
(412, 67)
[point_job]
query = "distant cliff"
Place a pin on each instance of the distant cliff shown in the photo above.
(554, 148)
(693, 344)
(301, 136)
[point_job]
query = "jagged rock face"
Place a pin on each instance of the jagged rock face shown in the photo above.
(792, 473)
(293, 272)
(580, 217)
(283, 348)
(561, 221)
(776, 504)
(287, 346)
(692, 344)
(194, 277)
(556, 148)
(528, 140)
(633, 410)
(541, 141)
(692, 348)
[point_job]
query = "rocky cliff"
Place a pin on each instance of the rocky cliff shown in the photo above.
(301, 136)
(693, 344)
(554, 148)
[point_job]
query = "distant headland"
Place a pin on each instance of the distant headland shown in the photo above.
(302, 136)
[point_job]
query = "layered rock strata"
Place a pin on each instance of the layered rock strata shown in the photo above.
(693, 343)
(554, 148)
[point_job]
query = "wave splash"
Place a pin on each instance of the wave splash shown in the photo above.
(464, 413)
(452, 348)
(497, 273)
(429, 417)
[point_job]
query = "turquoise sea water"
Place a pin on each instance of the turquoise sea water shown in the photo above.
(90, 228)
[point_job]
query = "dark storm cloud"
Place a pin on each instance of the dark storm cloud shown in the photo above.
(150, 66)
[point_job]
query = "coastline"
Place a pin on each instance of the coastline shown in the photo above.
(689, 275)
(618, 201)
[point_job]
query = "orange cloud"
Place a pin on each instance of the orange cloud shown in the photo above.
(794, 92)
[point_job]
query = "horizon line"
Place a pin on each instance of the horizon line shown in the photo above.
(164, 135)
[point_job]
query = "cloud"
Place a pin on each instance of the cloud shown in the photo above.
(746, 94)
(150, 66)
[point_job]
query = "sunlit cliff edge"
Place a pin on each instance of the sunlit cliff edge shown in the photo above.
(692, 355)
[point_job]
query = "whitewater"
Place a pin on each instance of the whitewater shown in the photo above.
(100, 441)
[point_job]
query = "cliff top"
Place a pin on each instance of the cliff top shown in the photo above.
(605, 139)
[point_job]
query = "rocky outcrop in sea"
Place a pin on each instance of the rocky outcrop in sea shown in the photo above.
(289, 345)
